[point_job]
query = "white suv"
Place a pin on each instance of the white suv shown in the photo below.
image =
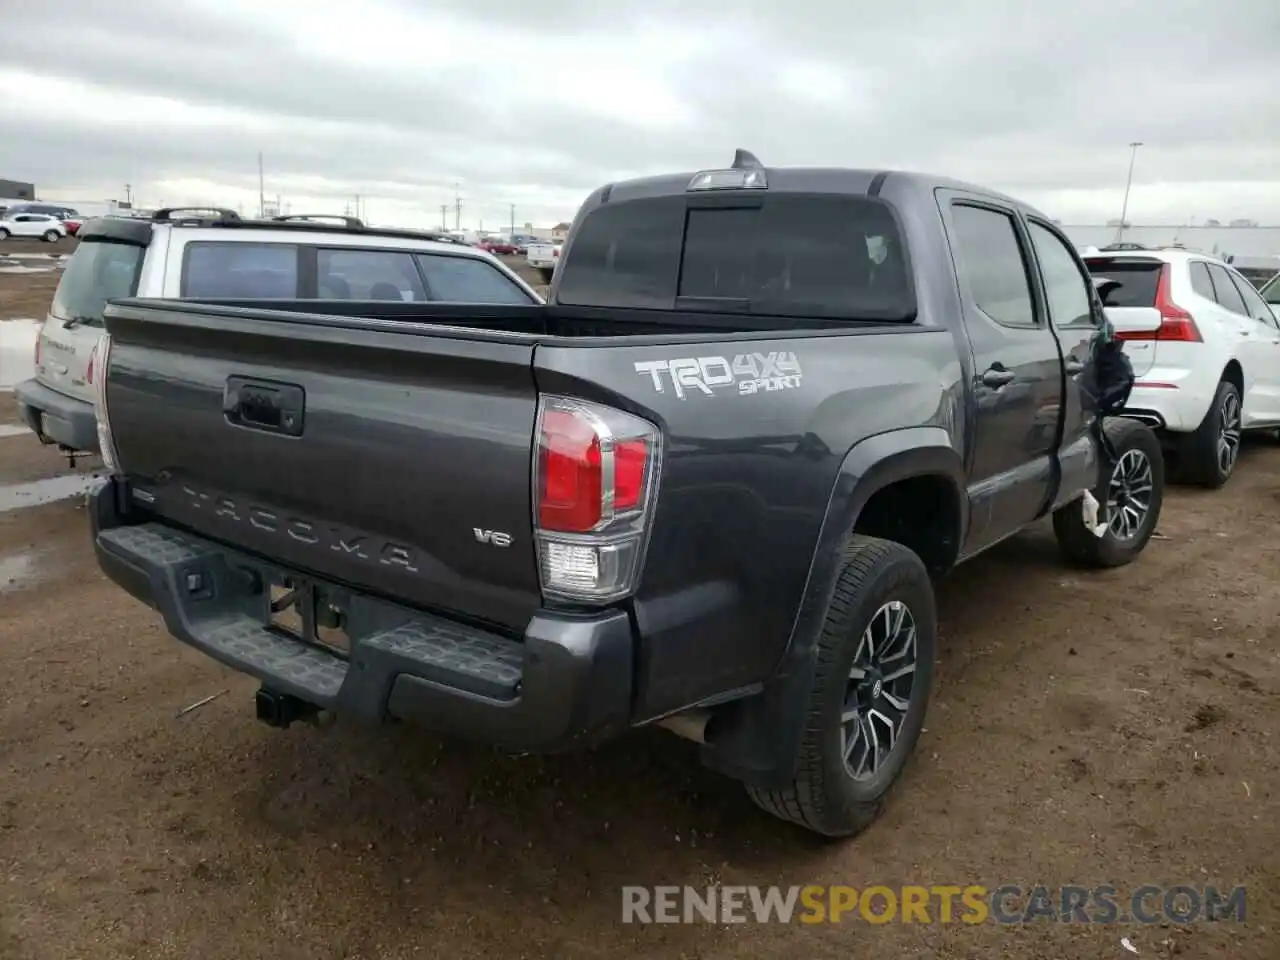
(214, 254)
(1205, 348)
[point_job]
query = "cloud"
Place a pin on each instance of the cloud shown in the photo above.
(536, 105)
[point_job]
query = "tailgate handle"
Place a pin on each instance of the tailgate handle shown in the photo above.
(264, 405)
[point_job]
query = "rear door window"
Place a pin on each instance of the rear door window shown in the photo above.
(1228, 296)
(351, 274)
(257, 271)
(468, 280)
(1200, 280)
(1137, 281)
(800, 256)
(992, 263)
(1065, 285)
(1254, 305)
(99, 270)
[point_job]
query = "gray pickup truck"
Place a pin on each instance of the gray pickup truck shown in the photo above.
(707, 485)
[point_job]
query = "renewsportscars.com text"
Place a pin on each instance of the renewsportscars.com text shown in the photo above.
(972, 904)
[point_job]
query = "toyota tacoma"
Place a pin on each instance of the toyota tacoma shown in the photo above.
(707, 485)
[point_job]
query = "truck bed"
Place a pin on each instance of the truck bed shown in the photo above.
(540, 320)
(406, 473)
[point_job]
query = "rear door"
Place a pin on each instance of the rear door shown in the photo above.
(1131, 304)
(1018, 386)
(1261, 343)
(1068, 295)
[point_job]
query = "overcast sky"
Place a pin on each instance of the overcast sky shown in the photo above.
(536, 102)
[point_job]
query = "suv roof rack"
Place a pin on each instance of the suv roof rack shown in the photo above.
(165, 214)
(351, 223)
(313, 222)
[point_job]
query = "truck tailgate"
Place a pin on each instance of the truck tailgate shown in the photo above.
(375, 454)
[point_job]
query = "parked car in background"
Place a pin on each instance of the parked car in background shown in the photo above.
(39, 225)
(498, 245)
(522, 241)
(51, 209)
(1205, 348)
(543, 257)
(1270, 292)
(184, 252)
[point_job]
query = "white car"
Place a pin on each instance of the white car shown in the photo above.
(215, 254)
(543, 257)
(1205, 348)
(40, 225)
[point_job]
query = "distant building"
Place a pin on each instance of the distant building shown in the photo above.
(17, 190)
(560, 231)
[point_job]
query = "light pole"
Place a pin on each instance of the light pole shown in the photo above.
(1124, 209)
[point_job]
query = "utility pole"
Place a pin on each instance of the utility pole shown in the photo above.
(1124, 209)
(444, 216)
(513, 221)
(262, 193)
(128, 196)
(457, 208)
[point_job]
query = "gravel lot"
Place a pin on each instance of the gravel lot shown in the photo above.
(1119, 728)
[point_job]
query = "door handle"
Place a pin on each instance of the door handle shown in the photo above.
(997, 377)
(1074, 366)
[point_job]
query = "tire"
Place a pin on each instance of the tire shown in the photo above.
(4, 233)
(1135, 445)
(51, 236)
(826, 797)
(1201, 455)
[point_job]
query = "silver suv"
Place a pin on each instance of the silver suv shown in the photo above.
(215, 254)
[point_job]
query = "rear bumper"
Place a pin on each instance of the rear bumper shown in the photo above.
(1176, 403)
(566, 683)
(54, 416)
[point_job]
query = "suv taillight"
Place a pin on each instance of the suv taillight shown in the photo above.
(97, 378)
(39, 348)
(1176, 323)
(595, 479)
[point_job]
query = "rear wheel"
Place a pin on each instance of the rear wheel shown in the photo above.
(1129, 494)
(1209, 455)
(4, 233)
(870, 692)
(51, 236)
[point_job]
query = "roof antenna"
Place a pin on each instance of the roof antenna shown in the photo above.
(745, 160)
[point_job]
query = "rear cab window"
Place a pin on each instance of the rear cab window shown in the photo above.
(787, 255)
(99, 270)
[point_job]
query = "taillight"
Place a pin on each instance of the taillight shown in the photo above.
(595, 476)
(97, 377)
(555, 251)
(1176, 323)
(39, 348)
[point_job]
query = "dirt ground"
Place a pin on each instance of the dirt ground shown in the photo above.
(1119, 728)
